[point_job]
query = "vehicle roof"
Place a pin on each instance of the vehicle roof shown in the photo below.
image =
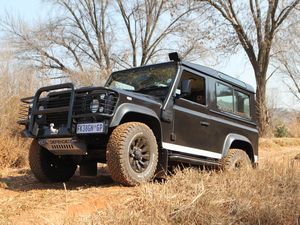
(206, 70)
(219, 75)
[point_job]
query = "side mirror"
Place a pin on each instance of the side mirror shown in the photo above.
(186, 87)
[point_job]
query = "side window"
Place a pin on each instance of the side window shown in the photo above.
(230, 100)
(224, 98)
(198, 93)
(242, 104)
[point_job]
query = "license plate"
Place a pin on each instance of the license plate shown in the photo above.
(90, 128)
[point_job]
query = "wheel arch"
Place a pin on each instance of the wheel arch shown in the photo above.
(240, 142)
(150, 121)
(128, 112)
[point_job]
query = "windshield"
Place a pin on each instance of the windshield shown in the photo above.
(153, 80)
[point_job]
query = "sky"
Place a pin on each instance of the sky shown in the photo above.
(27, 9)
(237, 66)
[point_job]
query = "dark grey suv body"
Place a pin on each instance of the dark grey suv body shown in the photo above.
(195, 113)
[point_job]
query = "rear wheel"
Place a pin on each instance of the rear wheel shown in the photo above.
(132, 154)
(47, 167)
(236, 159)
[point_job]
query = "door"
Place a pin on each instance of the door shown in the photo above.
(192, 126)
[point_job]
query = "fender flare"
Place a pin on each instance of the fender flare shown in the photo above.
(125, 108)
(230, 138)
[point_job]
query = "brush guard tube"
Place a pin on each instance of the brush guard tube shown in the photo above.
(35, 111)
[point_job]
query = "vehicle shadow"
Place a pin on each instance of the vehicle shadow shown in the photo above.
(23, 180)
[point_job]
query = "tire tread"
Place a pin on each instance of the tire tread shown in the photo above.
(38, 164)
(115, 152)
(233, 153)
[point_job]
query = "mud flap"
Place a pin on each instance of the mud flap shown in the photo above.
(162, 166)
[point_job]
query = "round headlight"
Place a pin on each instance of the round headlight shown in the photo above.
(41, 108)
(94, 106)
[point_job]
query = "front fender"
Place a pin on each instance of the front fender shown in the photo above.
(125, 108)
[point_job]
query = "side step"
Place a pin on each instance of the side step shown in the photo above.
(193, 160)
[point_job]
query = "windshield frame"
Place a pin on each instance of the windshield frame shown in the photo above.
(141, 68)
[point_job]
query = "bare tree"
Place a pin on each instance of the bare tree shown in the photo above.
(288, 55)
(152, 25)
(86, 38)
(291, 69)
(254, 25)
(16, 80)
(78, 40)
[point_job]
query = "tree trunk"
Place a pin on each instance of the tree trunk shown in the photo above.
(263, 118)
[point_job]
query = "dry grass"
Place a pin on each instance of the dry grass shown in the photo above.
(294, 127)
(13, 151)
(13, 148)
(276, 143)
(269, 194)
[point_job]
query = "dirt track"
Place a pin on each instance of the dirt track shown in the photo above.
(26, 201)
(23, 200)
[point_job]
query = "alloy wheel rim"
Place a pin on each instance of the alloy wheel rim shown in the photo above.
(139, 154)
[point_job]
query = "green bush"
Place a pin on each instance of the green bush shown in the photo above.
(281, 131)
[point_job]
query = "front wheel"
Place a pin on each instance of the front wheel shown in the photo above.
(48, 167)
(132, 154)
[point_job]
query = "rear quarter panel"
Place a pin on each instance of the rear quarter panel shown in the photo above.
(225, 123)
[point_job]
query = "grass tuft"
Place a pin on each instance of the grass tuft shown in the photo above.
(13, 152)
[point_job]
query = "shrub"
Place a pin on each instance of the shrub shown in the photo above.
(281, 131)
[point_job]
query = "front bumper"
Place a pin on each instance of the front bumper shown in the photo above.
(58, 114)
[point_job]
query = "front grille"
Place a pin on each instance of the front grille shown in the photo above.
(81, 107)
(84, 100)
(56, 100)
(57, 118)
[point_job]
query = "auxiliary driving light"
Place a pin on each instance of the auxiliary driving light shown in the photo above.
(94, 106)
(101, 109)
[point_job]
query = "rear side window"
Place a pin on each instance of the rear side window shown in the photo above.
(233, 101)
(242, 107)
(225, 98)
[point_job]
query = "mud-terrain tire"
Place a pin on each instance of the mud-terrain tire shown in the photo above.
(236, 159)
(48, 167)
(132, 154)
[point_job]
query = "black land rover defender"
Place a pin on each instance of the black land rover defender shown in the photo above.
(142, 121)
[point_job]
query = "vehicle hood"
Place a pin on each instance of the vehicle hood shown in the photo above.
(139, 96)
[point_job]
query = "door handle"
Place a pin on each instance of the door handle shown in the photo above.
(204, 124)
